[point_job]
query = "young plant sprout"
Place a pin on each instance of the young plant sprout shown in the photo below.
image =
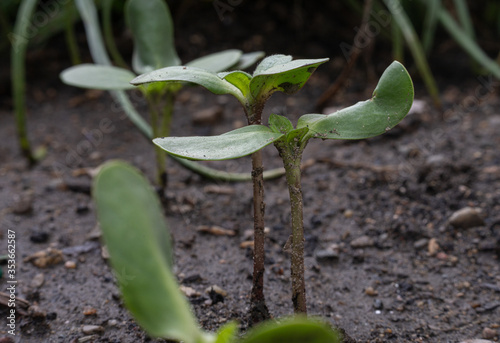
(152, 28)
(391, 101)
(274, 73)
(138, 241)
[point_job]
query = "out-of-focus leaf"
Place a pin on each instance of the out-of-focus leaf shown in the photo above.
(95, 76)
(135, 233)
(152, 27)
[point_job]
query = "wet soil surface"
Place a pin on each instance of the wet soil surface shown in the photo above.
(382, 259)
(388, 258)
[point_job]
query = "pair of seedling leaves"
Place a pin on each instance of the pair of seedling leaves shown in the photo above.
(139, 244)
(152, 28)
(391, 101)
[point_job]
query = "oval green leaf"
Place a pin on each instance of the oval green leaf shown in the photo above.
(246, 60)
(288, 77)
(216, 62)
(136, 235)
(239, 79)
(391, 102)
(292, 330)
(237, 143)
(280, 124)
(227, 333)
(151, 25)
(95, 76)
(201, 77)
(271, 61)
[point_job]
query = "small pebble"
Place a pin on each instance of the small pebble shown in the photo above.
(6, 340)
(95, 233)
(436, 160)
(216, 294)
(348, 213)
(45, 258)
(489, 333)
(70, 265)
(358, 256)
(466, 217)
(86, 339)
(420, 243)
(92, 329)
(217, 290)
(104, 253)
(189, 292)
(39, 237)
(89, 311)
(247, 244)
(378, 304)
(23, 203)
(82, 208)
(433, 247)
(328, 254)
(38, 280)
(112, 322)
(371, 292)
(362, 242)
(36, 312)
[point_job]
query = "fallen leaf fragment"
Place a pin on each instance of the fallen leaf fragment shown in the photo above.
(216, 230)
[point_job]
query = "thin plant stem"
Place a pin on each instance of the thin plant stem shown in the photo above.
(258, 308)
(401, 19)
(291, 160)
(161, 173)
(19, 40)
(430, 21)
(259, 311)
(69, 33)
(107, 28)
(99, 55)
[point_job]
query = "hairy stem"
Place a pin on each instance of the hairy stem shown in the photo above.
(291, 160)
(258, 311)
(18, 53)
(258, 308)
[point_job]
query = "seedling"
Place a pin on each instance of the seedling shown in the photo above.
(138, 241)
(152, 28)
(391, 101)
(274, 73)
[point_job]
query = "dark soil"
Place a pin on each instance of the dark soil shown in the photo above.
(398, 190)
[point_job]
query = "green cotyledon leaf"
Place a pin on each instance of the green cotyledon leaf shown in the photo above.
(284, 75)
(216, 62)
(152, 27)
(299, 329)
(95, 76)
(138, 241)
(210, 80)
(391, 102)
(237, 143)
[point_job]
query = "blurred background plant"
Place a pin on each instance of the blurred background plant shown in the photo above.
(424, 34)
